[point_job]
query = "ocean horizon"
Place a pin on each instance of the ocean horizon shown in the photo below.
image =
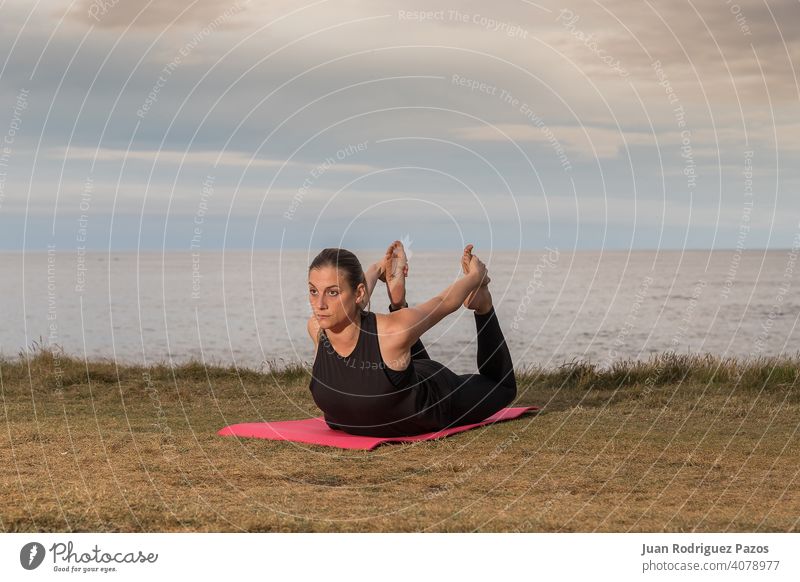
(248, 307)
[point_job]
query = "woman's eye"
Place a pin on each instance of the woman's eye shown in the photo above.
(334, 293)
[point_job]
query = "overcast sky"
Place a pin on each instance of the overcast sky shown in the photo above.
(211, 124)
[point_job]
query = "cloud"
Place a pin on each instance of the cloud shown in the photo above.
(592, 142)
(587, 141)
(731, 69)
(158, 14)
(714, 50)
(205, 158)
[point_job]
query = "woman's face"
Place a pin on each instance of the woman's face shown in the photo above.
(331, 298)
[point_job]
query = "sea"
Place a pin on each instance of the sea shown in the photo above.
(249, 308)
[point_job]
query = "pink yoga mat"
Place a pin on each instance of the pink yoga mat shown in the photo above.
(315, 431)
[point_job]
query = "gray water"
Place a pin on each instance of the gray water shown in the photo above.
(248, 308)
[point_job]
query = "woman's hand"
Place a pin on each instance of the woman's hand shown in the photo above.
(478, 270)
(479, 299)
(474, 268)
(380, 271)
(371, 277)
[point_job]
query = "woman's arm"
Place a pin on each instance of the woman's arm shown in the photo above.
(411, 323)
(371, 276)
(455, 295)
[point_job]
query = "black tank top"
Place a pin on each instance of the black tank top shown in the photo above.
(361, 395)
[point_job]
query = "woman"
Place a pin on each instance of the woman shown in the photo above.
(372, 376)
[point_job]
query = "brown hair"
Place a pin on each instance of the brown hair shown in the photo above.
(345, 261)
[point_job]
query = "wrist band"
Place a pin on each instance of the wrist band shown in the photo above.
(405, 304)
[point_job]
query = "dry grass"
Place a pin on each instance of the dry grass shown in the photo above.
(678, 443)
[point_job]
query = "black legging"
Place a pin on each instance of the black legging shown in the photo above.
(478, 396)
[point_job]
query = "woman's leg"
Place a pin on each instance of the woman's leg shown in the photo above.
(418, 351)
(495, 387)
(494, 359)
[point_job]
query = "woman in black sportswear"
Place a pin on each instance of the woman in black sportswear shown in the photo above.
(372, 375)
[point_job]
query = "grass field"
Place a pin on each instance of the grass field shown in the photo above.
(678, 444)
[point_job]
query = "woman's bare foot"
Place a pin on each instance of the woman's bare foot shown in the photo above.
(480, 300)
(395, 271)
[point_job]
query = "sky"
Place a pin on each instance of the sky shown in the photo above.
(205, 124)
